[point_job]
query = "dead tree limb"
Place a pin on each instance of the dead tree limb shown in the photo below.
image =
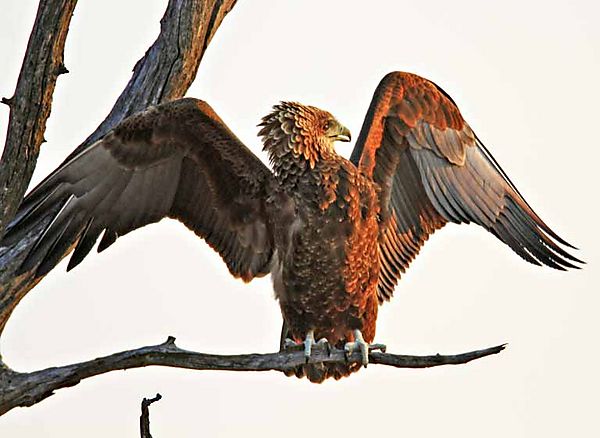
(31, 103)
(145, 417)
(164, 73)
(26, 389)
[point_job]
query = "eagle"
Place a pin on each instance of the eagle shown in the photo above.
(336, 235)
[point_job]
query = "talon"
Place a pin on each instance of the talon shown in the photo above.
(309, 341)
(324, 342)
(359, 343)
(289, 344)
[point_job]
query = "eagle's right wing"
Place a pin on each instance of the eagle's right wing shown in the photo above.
(176, 159)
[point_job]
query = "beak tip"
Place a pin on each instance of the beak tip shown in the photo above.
(342, 135)
(346, 135)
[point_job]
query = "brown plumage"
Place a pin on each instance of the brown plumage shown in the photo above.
(335, 234)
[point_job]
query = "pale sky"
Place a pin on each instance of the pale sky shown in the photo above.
(525, 76)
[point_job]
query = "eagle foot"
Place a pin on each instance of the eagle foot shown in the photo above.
(364, 347)
(308, 344)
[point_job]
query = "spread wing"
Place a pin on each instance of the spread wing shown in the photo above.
(175, 160)
(432, 169)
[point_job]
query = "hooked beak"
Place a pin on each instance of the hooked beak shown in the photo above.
(343, 135)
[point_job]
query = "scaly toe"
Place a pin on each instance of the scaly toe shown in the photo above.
(364, 349)
(358, 344)
(324, 342)
(309, 341)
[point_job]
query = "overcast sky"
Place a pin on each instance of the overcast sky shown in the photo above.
(525, 76)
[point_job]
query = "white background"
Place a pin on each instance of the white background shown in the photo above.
(525, 75)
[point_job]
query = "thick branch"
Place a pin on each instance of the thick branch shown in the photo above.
(164, 73)
(32, 101)
(26, 389)
(170, 65)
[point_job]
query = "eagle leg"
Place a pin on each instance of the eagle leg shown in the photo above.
(360, 344)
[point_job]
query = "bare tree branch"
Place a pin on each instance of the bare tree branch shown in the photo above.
(26, 389)
(32, 101)
(164, 73)
(145, 417)
(170, 65)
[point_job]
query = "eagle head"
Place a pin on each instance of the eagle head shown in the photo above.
(302, 133)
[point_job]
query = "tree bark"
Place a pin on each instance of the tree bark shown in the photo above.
(26, 389)
(145, 417)
(31, 103)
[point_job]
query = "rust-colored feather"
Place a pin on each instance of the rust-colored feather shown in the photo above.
(432, 169)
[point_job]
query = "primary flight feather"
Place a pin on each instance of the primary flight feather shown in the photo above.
(335, 234)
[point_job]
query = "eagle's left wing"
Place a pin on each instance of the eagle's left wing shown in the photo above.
(432, 169)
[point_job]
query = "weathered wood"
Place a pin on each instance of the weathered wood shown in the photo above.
(32, 101)
(164, 73)
(170, 65)
(145, 417)
(26, 389)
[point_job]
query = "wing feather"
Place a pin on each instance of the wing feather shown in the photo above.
(89, 235)
(175, 160)
(432, 169)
